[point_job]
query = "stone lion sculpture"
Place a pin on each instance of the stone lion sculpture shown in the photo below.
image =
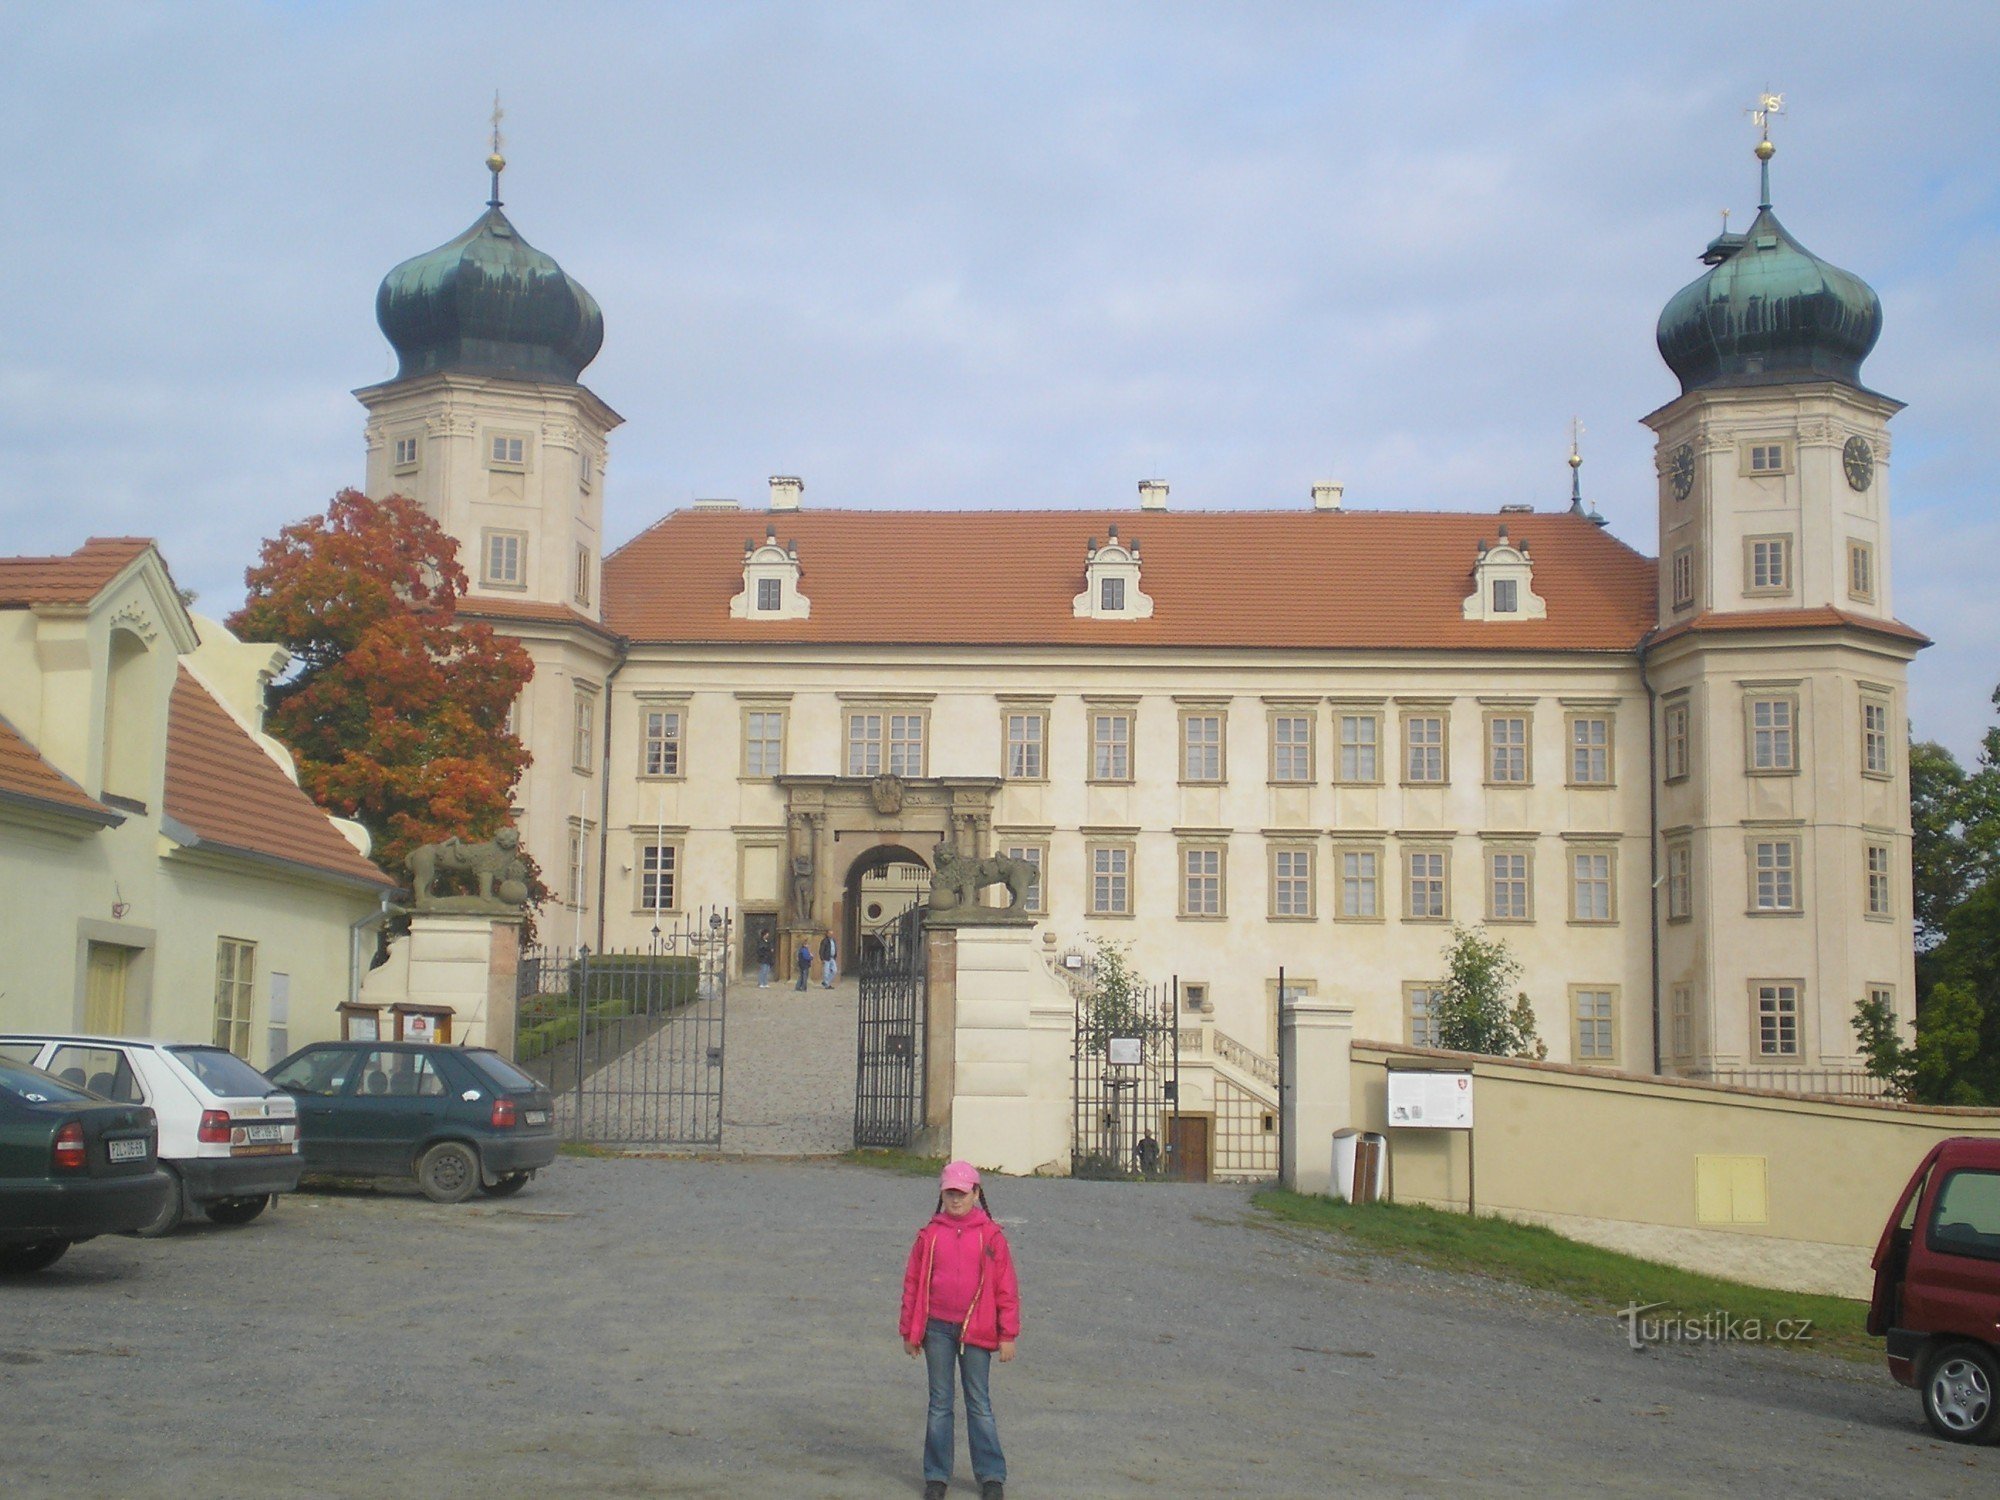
(496, 864)
(958, 880)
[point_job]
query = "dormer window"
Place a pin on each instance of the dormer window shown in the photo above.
(1111, 582)
(1503, 585)
(771, 579)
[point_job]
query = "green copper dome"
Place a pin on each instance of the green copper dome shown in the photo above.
(489, 303)
(1768, 312)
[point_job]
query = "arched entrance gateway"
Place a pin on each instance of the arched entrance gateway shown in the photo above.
(860, 849)
(882, 884)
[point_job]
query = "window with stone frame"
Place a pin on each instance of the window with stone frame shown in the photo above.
(1360, 747)
(1111, 594)
(1201, 880)
(1860, 571)
(1590, 749)
(1590, 887)
(1776, 1018)
(1506, 749)
(500, 556)
(1682, 570)
(1111, 745)
(408, 449)
(1674, 739)
(1771, 723)
(658, 884)
(1768, 565)
(763, 742)
(235, 992)
(1875, 742)
(1292, 881)
(583, 732)
(879, 741)
(1595, 1012)
(1774, 867)
(1201, 746)
(1424, 758)
(584, 576)
(1027, 743)
(1876, 862)
(1291, 747)
(1426, 885)
(1110, 880)
(770, 594)
(1680, 1010)
(1360, 883)
(506, 450)
(1420, 1013)
(1680, 880)
(661, 745)
(1507, 885)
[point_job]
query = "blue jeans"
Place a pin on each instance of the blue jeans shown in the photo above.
(805, 973)
(763, 975)
(982, 1434)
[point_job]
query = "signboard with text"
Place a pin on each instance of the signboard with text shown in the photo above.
(1430, 1101)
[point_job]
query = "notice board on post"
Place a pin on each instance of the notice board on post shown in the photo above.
(1422, 1100)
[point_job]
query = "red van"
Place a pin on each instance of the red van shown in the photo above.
(1937, 1288)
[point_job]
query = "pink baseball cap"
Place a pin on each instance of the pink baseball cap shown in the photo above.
(959, 1177)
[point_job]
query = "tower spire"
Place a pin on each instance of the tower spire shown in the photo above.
(495, 162)
(1768, 104)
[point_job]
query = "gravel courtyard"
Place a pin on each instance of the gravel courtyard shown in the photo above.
(727, 1328)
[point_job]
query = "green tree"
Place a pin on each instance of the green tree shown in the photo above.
(1473, 1009)
(1942, 864)
(1943, 1065)
(395, 709)
(1116, 1001)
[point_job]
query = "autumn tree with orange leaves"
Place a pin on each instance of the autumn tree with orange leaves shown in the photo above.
(395, 710)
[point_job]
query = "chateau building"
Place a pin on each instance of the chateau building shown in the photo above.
(1305, 739)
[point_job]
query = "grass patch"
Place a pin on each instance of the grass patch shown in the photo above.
(1601, 1280)
(892, 1159)
(588, 1149)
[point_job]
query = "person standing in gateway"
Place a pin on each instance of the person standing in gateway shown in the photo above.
(829, 962)
(804, 959)
(767, 954)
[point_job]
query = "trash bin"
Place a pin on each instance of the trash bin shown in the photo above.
(1360, 1165)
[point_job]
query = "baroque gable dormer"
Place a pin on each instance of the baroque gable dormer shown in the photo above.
(771, 575)
(1503, 583)
(1111, 582)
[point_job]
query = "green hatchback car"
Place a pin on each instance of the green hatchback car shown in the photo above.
(458, 1119)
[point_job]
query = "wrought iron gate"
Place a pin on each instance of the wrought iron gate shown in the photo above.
(1127, 1062)
(631, 1044)
(889, 1066)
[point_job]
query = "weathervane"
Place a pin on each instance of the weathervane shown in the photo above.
(1767, 105)
(496, 163)
(1575, 466)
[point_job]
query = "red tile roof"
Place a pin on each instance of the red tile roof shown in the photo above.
(26, 777)
(1302, 579)
(231, 794)
(483, 607)
(1816, 618)
(76, 579)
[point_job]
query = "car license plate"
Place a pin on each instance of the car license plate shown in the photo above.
(536, 1116)
(257, 1135)
(127, 1150)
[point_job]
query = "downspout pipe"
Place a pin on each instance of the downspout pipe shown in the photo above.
(372, 919)
(604, 800)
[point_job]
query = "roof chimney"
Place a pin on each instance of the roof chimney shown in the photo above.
(1152, 494)
(1327, 493)
(785, 491)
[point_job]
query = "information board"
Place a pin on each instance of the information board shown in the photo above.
(1430, 1101)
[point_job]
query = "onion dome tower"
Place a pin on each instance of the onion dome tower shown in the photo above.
(1778, 668)
(485, 422)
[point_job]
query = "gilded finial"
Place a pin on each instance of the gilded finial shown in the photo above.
(1767, 105)
(495, 162)
(1575, 466)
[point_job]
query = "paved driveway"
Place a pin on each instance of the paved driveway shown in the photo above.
(727, 1328)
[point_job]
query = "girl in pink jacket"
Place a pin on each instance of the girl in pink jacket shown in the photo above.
(961, 1306)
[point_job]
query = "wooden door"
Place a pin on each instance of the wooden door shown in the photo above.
(104, 989)
(1188, 1135)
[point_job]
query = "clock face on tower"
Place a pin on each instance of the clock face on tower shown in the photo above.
(1680, 470)
(1859, 461)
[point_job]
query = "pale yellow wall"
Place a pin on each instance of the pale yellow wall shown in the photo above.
(69, 883)
(1582, 1147)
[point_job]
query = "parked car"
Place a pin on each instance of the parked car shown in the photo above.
(229, 1138)
(455, 1118)
(1937, 1288)
(71, 1167)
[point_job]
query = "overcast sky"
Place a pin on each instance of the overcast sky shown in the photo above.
(983, 255)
